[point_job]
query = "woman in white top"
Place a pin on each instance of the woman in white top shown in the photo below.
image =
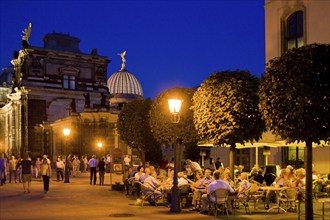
(46, 172)
(139, 173)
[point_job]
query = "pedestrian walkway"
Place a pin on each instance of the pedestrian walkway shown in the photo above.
(80, 200)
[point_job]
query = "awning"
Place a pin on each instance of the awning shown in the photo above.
(268, 139)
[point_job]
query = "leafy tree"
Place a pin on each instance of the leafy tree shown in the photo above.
(295, 101)
(226, 110)
(134, 130)
(161, 118)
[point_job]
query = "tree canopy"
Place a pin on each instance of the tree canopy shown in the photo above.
(134, 129)
(295, 94)
(226, 110)
(161, 118)
(295, 101)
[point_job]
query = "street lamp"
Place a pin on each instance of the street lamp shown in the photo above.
(66, 132)
(175, 106)
(99, 145)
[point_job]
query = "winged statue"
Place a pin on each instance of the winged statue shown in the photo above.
(122, 55)
(27, 33)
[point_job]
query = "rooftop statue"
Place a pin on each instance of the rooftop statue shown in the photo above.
(19, 58)
(27, 33)
(122, 55)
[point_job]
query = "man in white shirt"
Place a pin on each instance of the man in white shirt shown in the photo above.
(93, 162)
(216, 184)
(59, 168)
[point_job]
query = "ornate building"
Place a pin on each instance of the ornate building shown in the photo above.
(63, 88)
(12, 120)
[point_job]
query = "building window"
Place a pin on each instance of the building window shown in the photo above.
(69, 82)
(296, 153)
(295, 30)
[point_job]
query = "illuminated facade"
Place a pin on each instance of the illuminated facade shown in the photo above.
(64, 87)
(293, 23)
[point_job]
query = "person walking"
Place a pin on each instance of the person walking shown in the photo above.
(92, 166)
(46, 172)
(75, 166)
(218, 164)
(19, 169)
(27, 169)
(2, 169)
(12, 168)
(59, 168)
(85, 163)
(101, 167)
(37, 167)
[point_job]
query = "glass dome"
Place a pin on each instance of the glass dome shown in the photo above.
(124, 82)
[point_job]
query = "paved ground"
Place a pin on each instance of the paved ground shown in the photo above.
(80, 200)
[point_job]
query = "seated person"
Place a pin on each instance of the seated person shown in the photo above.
(151, 184)
(253, 173)
(227, 178)
(269, 176)
(146, 174)
(300, 180)
(139, 173)
(282, 181)
(244, 186)
(137, 176)
(196, 191)
(259, 177)
(181, 182)
(207, 178)
(153, 171)
(128, 179)
(216, 184)
(201, 188)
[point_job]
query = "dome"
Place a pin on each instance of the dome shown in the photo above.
(124, 82)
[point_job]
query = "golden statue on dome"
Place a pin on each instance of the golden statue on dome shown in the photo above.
(122, 55)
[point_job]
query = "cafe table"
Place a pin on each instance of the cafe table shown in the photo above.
(277, 191)
(323, 200)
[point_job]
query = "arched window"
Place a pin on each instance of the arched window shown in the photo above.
(295, 30)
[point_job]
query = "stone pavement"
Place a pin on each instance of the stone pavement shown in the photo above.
(80, 200)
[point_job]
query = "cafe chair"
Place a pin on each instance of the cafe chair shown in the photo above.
(220, 202)
(185, 195)
(255, 194)
(288, 198)
(244, 200)
(131, 186)
(146, 194)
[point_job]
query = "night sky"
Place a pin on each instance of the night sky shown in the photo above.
(168, 43)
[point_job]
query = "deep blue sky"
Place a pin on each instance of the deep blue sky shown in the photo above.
(168, 43)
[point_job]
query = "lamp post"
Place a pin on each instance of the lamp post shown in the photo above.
(66, 132)
(175, 106)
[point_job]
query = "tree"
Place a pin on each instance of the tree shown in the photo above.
(134, 130)
(226, 110)
(160, 118)
(295, 101)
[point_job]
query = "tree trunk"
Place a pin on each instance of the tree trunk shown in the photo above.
(309, 181)
(232, 159)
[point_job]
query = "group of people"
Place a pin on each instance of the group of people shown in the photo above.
(193, 179)
(23, 169)
(203, 181)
